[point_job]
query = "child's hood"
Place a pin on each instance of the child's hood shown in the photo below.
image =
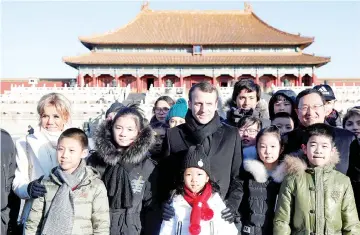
(257, 169)
(297, 163)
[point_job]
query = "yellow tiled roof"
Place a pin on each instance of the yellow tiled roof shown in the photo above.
(113, 58)
(197, 28)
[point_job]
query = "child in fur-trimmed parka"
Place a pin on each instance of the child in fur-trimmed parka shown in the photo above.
(315, 198)
(122, 156)
(260, 183)
(197, 203)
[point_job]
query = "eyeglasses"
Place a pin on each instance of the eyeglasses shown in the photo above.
(248, 131)
(315, 107)
(164, 110)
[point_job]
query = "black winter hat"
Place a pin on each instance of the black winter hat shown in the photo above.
(197, 158)
(290, 94)
(326, 90)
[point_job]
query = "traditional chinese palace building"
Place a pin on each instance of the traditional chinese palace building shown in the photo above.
(185, 47)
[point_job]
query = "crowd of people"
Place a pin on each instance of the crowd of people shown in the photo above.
(287, 166)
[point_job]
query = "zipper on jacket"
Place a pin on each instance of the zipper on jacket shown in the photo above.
(211, 228)
(178, 228)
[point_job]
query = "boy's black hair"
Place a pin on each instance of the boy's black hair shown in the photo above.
(270, 129)
(282, 115)
(308, 92)
(249, 121)
(75, 133)
(247, 84)
(319, 129)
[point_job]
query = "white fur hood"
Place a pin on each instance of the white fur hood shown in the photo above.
(257, 169)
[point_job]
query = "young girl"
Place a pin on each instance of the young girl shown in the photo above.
(261, 179)
(122, 157)
(197, 204)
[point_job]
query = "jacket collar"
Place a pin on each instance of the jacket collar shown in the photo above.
(134, 154)
(297, 163)
(257, 169)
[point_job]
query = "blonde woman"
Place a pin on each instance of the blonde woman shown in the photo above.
(36, 153)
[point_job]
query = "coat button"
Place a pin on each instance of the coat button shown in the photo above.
(312, 233)
(312, 188)
(312, 211)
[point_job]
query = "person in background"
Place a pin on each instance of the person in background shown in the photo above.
(351, 121)
(161, 108)
(333, 117)
(315, 198)
(114, 108)
(177, 113)
(261, 179)
(248, 128)
(197, 203)
(76, 200)
(10, 203)
(159, 129)
(283, 101)
(246, 101)
(284, 121)
(36, 154)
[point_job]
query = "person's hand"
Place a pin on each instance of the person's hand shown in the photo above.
(228, 214)
(168, 211)
(35, 189)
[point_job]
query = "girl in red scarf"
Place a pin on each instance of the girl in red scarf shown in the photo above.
(197, 204)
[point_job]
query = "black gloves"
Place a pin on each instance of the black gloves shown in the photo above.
(228, 214)
(168, 211)
(35, 189)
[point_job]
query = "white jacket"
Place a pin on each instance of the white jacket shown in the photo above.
(35, 157)
(179, 225)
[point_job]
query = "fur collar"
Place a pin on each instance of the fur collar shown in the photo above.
(261, 106)
(257, 169)
(134, 154)
(297, 163)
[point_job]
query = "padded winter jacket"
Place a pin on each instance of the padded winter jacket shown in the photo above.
(317, 200)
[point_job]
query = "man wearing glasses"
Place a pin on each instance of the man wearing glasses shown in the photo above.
(310, 108)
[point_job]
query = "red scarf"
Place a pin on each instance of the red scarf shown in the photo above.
(200, 208)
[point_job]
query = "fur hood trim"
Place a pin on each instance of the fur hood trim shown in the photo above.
(134, 154)
(297, 163)
(257, 169)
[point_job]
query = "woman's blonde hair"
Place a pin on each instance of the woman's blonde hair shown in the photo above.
(350, 113)
(61, 103)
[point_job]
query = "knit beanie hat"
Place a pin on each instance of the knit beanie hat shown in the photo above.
(115, 107)
(179, 109)
(197, 158)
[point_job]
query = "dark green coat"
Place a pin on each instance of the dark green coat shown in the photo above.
(316, 200)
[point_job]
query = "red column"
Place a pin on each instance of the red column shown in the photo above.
(181, 81)
(116, 77)
(299, 80)
(214, 80)
(314, 79)
(94, 80)
(160, 81)
(79, 80)
(278, 81)
(257, 79)
(138, 85)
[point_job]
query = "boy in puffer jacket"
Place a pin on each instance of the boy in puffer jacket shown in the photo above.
(315, 198)
(76, 200)
(197, 203)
